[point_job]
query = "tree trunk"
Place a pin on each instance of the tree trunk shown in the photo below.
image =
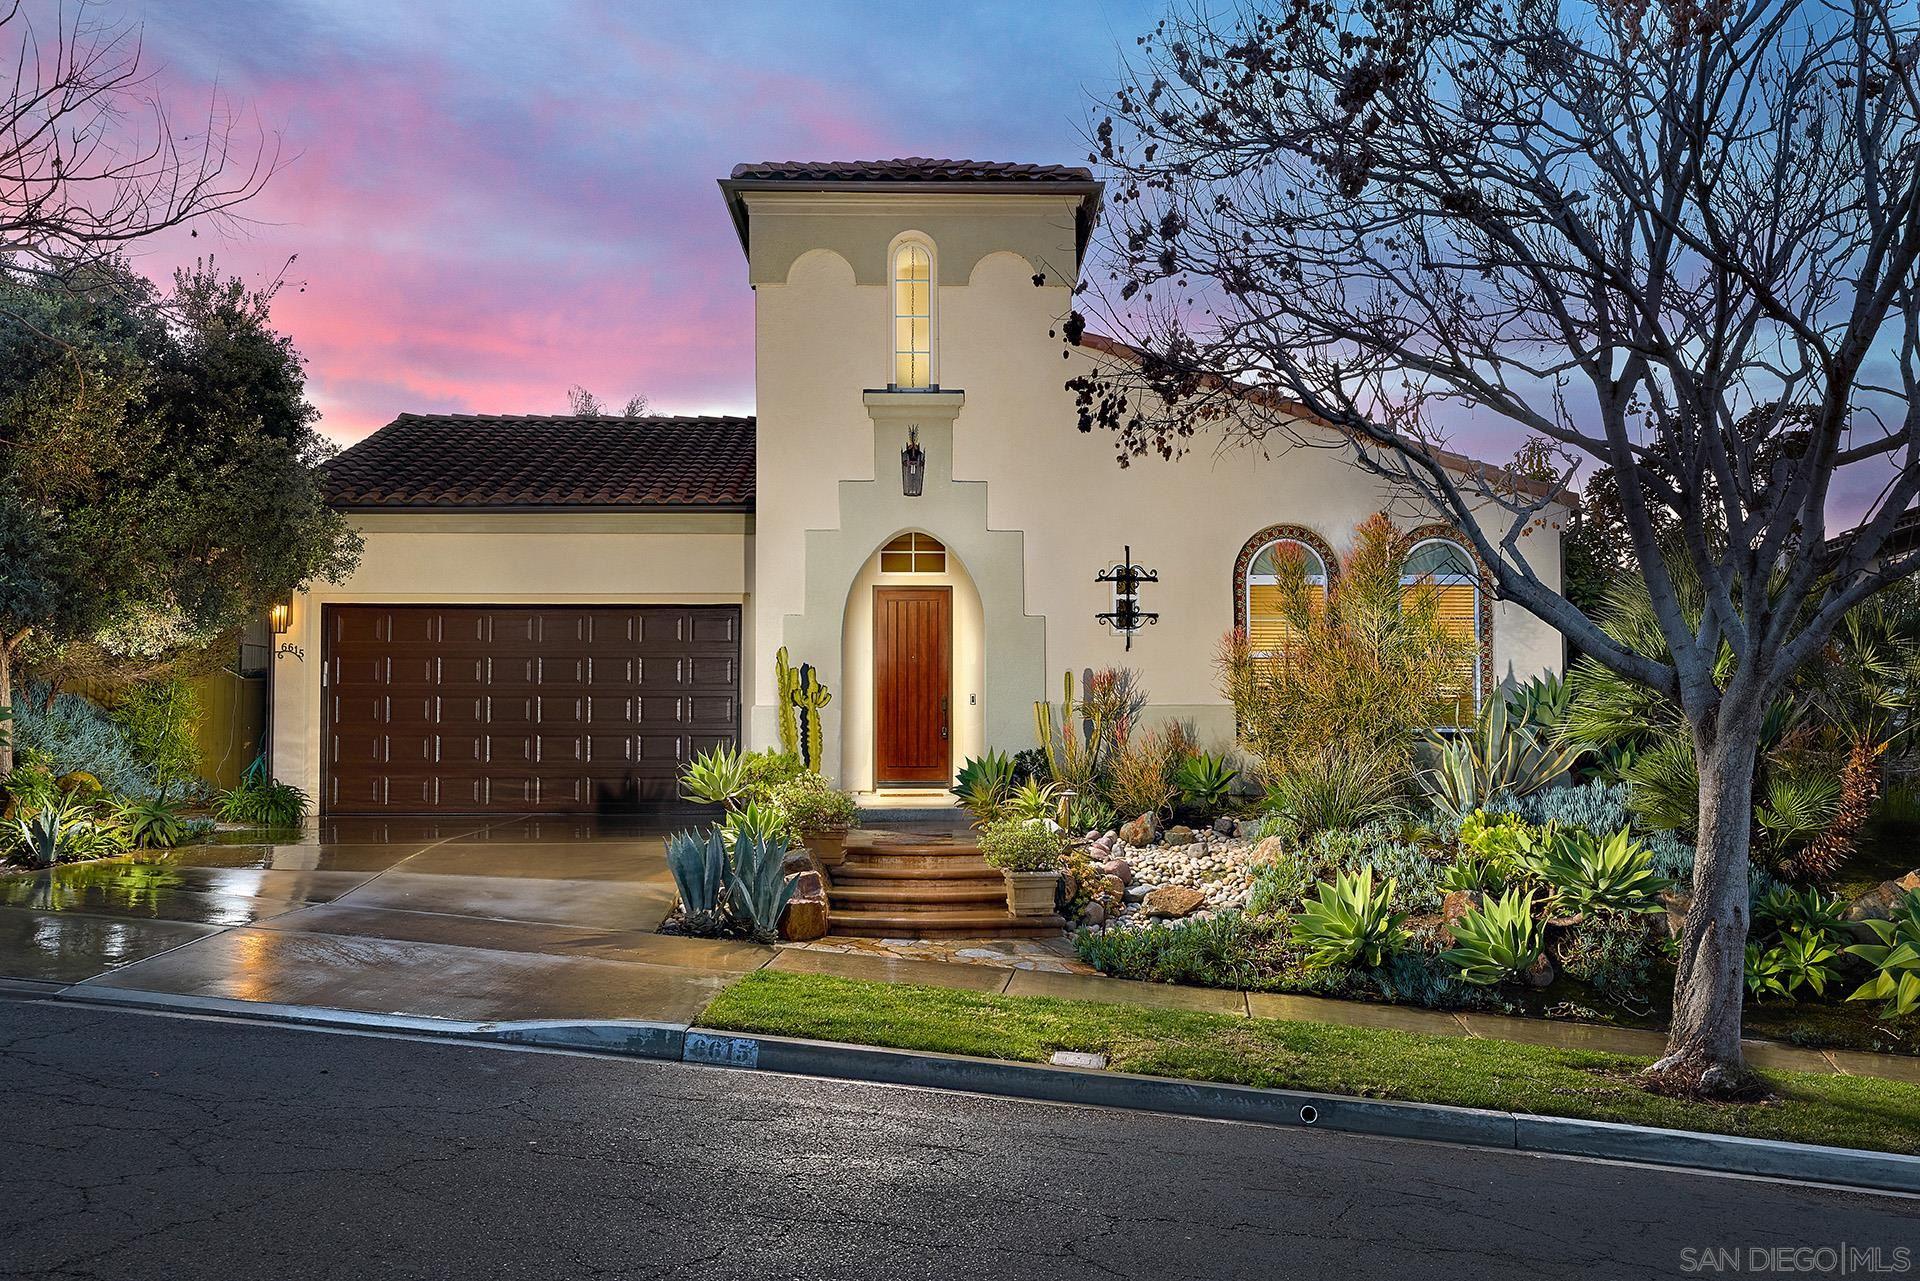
(1703, 1047)
(6, 701)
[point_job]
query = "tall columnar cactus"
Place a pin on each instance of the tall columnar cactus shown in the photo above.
(1072, 758)
(788, 682)
(811, 697)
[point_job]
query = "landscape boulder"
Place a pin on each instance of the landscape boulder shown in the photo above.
(1179, 836)
(1271, 850)
(805, 916)
(1171, 902)
(1141, 831)
(1877, 904)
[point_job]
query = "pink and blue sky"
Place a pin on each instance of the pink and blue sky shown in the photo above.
(491, 202)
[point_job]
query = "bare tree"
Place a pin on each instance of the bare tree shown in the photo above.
(91, 160)
(1660, 236)
(584, 403)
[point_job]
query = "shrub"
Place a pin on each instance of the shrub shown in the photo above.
(1349, 922)
(151, 821)
(1344, 789)
(1496, 941)
(1602, 807)
(1368, 666)
(1226, 951)
(1785, 909)
(1612, 952)
(160, 718)
(1140, 771)
(75, 734)
(810, 805)
(761, 772)
(1279, 887)
(1022, 845)
(260, 801)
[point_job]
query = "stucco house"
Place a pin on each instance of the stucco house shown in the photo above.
(555, 613)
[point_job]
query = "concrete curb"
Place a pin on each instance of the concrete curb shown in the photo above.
(1473, 1127)
(1510, 1131)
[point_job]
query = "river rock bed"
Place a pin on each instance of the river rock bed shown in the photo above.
(1219, 867)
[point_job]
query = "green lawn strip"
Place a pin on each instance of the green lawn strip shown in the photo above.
(1859, 1112)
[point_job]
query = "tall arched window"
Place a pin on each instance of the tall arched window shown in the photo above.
(1444, 568)
(912, 315)
(1270, 631)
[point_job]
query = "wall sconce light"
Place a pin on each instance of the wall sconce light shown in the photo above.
(1127, 617)
(913, 465)
(280, 617)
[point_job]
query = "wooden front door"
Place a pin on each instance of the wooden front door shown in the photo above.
(912, 681)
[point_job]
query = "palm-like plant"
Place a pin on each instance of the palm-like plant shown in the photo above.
(1349, 922)
(1499, 940)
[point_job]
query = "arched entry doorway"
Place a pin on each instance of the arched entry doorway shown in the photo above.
(913, 657)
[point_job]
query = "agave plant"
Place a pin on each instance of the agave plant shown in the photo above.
(991, 774)
(46, 836)
(1895, 960)
(699, 867)
(754, 821)
(714, 777)
(151, 821)
(1205, 781)
(758, 889)
(1808, 910)
(1031, 800)
(1501, 754)
(1587, 872)
(1798, 960)
(1349, 922)
(1498, 940)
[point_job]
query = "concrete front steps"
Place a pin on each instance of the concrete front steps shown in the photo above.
(920, 885)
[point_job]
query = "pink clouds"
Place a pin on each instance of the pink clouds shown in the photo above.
(489, 204)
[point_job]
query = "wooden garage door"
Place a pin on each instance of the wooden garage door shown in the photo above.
(531, 710)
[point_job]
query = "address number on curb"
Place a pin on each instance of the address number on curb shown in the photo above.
(727, 1051)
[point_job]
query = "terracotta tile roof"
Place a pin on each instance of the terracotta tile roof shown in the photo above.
(522, 461)
(907, 169)
(1459, 463)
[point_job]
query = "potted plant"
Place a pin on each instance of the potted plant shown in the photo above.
(1028, 854)
(818, 813)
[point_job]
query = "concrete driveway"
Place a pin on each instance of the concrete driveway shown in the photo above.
(483, 919)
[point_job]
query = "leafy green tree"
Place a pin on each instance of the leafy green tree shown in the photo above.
(159, 473)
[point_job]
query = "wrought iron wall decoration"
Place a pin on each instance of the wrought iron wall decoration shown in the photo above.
(1127, 617)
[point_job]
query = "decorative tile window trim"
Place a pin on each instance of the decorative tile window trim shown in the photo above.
(1451, 533)
(1273, 534)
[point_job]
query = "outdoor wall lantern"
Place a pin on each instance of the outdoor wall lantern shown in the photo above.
(913, 465)
(1127, 617)
(280, 617)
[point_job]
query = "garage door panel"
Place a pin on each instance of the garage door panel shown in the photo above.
(563, 710)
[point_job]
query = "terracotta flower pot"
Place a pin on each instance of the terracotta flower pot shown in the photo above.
(829, 847)
(1031, 893)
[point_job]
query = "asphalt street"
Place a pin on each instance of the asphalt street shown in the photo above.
(144, 1146)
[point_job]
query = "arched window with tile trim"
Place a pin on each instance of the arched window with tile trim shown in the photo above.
(1445, 567)
(1272, 558)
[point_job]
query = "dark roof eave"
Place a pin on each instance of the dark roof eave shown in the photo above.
(529, 509)
(1090, 193)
